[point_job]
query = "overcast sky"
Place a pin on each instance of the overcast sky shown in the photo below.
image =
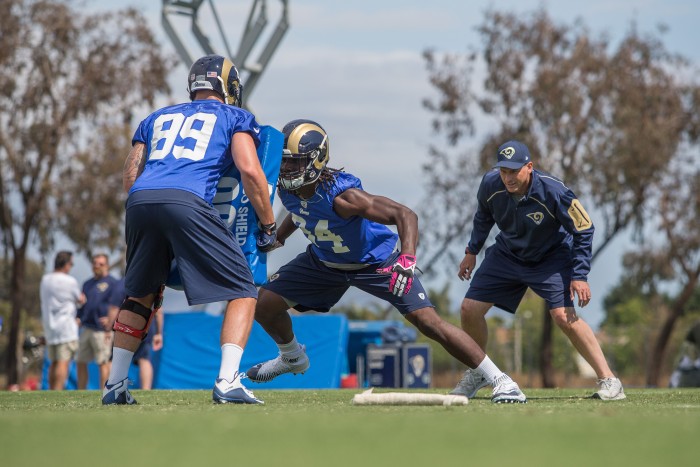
(356, 68)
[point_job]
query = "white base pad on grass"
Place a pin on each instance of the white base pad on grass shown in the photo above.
(406, 398)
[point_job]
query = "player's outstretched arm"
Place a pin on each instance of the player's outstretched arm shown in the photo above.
(354, 202)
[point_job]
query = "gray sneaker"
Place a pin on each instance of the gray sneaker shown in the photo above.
(609, 389)
(507, 391)
(470, 383)
(271, 369)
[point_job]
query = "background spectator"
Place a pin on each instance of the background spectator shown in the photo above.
(96, 329)
(60, 296)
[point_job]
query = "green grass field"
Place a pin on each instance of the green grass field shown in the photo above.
(322, 428)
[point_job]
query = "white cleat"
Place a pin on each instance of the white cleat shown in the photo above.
(507, 391)
(233, 392)
(295, 363)
(609, 389)
(470, 384)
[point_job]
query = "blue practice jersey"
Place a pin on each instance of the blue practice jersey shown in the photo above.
(548, 217)
(188, 146)
(338, 241)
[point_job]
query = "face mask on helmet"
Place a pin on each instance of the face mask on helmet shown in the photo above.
(305, 154)
(218, 74)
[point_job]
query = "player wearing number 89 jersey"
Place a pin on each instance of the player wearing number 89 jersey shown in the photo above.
(189, 145)
(179, 154)
(351, 246)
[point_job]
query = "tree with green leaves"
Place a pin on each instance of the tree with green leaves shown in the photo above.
(607, 118)
(670, 255)
(644, 309)
(70, 83)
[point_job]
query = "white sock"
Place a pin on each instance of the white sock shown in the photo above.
(121, 361)
(489, 370)
(230, 361)
(290, 348)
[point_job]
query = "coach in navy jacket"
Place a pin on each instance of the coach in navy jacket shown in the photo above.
(544, 243)
(547, 218)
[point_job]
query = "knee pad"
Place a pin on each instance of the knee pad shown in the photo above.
(134, 307)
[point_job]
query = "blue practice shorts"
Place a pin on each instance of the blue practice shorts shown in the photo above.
(503, 281)
(312, 285)
(143, 352)
(211, 264)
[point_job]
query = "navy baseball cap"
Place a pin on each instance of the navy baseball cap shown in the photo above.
(513, 155)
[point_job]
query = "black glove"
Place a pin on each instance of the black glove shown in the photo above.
(266, 237)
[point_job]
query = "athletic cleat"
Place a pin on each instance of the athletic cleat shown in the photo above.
(271, 369)
(609, 389)
(117, 394)
(507, 391)
(470, 383)
(233, 392)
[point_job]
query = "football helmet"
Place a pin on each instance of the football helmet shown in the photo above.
(305, 154)
(217, 74)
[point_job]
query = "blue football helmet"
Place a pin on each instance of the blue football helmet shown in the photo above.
(218, 74)
(305, 154)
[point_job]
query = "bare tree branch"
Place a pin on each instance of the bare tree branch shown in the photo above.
(67, 81)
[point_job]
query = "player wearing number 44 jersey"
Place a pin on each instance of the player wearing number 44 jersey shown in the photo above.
(545, 244)
(179, 154)
(351, 245)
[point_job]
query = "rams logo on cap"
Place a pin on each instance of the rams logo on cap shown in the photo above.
(508, 152)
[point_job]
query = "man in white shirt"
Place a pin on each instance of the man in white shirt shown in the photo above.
(60, 297)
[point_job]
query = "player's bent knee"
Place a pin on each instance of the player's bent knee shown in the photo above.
(136, 308)
(428, 323)
(269, 304)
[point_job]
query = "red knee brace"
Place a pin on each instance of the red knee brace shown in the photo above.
(134, 307)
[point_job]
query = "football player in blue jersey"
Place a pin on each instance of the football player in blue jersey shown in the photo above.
(178, 155)
(544, 243)
(351, 245)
